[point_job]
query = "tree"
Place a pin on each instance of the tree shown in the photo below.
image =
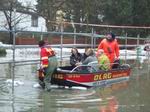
(48, 9)
(111, 12)
(83, 11)
(141, 12)
(10, 8)
(127, 12)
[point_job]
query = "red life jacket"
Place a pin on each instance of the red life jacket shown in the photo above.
(45, 54)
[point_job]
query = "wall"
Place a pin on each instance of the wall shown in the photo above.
(69, 40)
(26, 41)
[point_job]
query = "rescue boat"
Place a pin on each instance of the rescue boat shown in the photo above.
(88, 76)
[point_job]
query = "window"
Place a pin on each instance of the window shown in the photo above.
(34, 21)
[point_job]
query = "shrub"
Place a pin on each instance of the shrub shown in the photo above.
(3, 52)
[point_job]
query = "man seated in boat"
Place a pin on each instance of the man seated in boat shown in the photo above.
(103, 60)
(90, 56)
(84, 56)
(75, 57)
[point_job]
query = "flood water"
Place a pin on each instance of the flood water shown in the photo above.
(129, 96)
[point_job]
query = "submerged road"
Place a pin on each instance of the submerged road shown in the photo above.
(129, 96)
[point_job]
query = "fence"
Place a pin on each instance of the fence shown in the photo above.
(91, 40)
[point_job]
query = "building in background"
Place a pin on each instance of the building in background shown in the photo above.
(26, 20)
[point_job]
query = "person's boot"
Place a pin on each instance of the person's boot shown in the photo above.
(47, 87)
(42, 84)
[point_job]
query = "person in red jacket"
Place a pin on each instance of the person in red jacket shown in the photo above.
(110, 47)
(48, 63)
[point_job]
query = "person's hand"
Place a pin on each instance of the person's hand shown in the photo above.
(42, 68)
(79, 63)
(117, 58)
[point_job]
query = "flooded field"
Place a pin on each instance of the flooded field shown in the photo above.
(129, 96)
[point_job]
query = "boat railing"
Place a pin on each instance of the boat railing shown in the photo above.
(92, 66)
(93, 63)
(116, 65)
(89, 68)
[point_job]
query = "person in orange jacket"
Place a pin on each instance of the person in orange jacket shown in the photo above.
(48, 63)
(110, 47)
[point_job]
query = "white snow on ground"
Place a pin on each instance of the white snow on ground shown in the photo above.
(33, 53)
(16, 82)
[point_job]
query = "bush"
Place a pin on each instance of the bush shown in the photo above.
(3, 52)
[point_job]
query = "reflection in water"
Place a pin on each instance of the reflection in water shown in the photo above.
(5, 70)
(109, 102)
(129, 96)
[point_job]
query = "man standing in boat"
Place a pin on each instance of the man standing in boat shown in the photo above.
(48, 63)
(110, 47)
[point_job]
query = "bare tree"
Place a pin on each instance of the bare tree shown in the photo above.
(14, 13)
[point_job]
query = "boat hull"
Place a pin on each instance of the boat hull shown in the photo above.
(91, 79)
